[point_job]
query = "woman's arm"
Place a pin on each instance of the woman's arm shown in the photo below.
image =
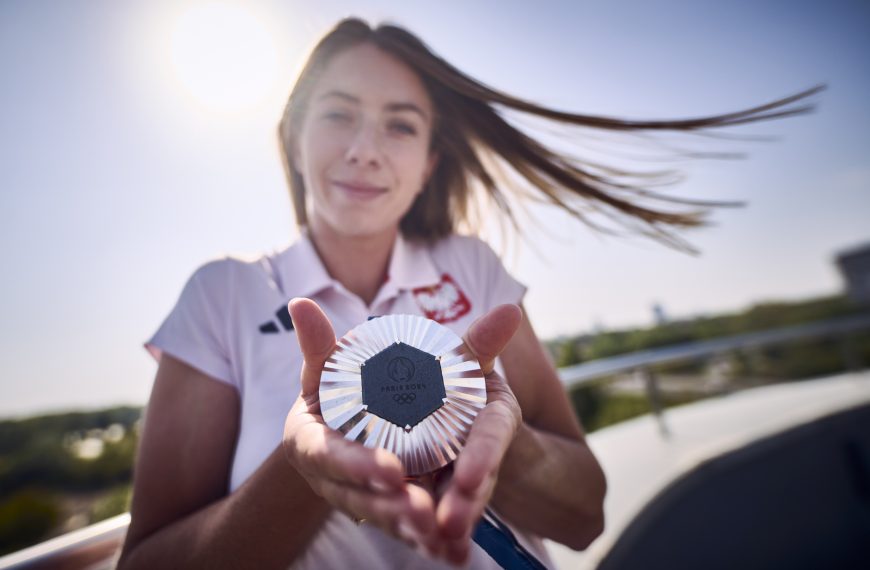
(525, 451)
(182, 515)
(549, 482)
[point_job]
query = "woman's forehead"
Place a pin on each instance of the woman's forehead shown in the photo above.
(365, 74)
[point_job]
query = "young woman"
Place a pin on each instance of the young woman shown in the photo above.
(385, 145)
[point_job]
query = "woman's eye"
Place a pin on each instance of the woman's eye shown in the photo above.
(402, 127)
(340, 117)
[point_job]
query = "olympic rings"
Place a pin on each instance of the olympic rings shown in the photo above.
(405, 398)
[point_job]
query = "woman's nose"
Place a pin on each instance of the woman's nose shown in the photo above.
(365, 147)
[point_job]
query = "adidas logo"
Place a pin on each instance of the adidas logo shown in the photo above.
(283, 316)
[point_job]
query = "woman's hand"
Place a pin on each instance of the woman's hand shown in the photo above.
(364, 483)
(369, 483)
(475, 471)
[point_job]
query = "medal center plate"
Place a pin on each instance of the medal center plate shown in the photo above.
(402, 384)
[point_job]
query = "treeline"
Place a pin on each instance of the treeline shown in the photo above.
(19, 434)
(760, 317)
(33, 452)
(40, 468)
(812, 357)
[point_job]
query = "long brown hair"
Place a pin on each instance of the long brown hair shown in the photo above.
(477, 147)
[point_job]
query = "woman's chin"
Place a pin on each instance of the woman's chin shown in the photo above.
(359, 227)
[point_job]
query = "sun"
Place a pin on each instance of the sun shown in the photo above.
(223, 56)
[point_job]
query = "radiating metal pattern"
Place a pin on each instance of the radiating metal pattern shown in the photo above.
(438, 438)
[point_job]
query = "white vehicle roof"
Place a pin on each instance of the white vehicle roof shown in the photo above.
(640, 461)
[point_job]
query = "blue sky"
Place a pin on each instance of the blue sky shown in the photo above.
(122, 169)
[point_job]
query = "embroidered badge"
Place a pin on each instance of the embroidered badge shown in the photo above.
(444, 302)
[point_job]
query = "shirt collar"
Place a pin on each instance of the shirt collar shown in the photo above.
(411, 266)
(303, 274)
(302, 271)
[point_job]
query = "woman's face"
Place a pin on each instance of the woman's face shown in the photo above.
(363, 147)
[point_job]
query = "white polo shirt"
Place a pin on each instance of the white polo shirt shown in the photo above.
(231, 322)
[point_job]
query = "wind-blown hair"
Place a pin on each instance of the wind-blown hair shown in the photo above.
(479, 149)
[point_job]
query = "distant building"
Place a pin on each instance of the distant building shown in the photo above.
(854, 264)
(598, 326)
(659, 315)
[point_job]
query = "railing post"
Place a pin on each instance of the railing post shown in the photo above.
(851, 360)
(653, 395)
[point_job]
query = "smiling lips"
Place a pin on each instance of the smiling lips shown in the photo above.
(359, 190)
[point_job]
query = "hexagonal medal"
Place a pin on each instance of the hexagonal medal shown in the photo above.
(406, 384)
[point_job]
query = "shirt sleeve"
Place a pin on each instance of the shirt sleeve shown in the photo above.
(195, 330)
(500, 286)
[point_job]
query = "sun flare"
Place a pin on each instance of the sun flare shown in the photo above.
(223, 56)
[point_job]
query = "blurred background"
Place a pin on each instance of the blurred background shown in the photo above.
(137, 141)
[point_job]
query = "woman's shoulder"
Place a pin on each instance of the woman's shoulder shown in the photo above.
(232, 269)
(459, 244)
(465, 250)
(476, 268)
(223, 266)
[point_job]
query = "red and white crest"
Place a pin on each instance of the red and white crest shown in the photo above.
(444, 302)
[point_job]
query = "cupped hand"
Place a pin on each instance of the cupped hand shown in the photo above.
(364, 483)
(475, 472)
(369, 483)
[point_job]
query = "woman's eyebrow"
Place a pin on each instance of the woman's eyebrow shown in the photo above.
(396, 107)
(341, 95)
(392, 107)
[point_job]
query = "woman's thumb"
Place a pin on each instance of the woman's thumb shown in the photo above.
(488, 335)
(316, 340)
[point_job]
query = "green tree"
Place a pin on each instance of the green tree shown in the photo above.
(26, 517)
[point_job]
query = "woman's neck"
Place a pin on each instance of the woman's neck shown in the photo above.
(358, 263)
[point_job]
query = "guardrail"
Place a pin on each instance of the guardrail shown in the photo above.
(643, 361)
(95, 547)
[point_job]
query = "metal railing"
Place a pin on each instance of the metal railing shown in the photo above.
(95, 547)
(644, 361)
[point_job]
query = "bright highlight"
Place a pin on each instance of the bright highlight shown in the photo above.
(223, 56)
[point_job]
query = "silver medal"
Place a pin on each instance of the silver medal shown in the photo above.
(406, 384)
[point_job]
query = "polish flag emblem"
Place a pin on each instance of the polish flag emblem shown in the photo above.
(444, 302)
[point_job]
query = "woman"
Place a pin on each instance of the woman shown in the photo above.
(382, 141)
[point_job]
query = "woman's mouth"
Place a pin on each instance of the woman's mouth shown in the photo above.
(360, 191)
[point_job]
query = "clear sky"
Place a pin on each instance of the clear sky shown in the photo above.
(137, 140)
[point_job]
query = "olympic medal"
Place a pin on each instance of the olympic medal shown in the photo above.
(406, 384)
